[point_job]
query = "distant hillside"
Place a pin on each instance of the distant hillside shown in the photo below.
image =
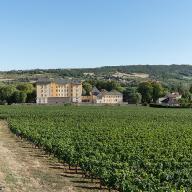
(175, 73)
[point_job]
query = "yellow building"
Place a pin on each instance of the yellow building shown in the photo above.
(58, 91)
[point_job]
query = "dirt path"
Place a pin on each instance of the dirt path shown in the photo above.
(26, 169)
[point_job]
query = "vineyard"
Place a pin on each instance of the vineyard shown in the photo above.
(126, 148)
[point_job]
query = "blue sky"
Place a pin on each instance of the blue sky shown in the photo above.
(92, 33)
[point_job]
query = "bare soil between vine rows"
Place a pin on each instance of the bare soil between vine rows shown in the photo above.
(24, 168)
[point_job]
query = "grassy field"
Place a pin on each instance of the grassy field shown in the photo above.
(127, 148)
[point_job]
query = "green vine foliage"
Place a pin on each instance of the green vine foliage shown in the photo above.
(127, 148)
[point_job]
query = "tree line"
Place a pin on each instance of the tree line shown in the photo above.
(160, 72)
(143, 92)
(17, 93)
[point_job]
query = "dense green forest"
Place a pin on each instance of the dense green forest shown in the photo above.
(158, 72)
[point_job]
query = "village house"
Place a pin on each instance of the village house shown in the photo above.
(103, 97)
(58, 91)
(171, 99)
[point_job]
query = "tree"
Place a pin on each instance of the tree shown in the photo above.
(187, 96)
(131, 95)
(6, 93)
(120, 88)
(84, 93)
(25, 87)
(87, 88)
(31, 97)
(146, 90)
(108, 85)
(29, 90)
(157, 91)
(100, 84)
(190, 89)
(150, 91)
(18, 97)
(23, 97)
(127, 94)
(137, 98)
